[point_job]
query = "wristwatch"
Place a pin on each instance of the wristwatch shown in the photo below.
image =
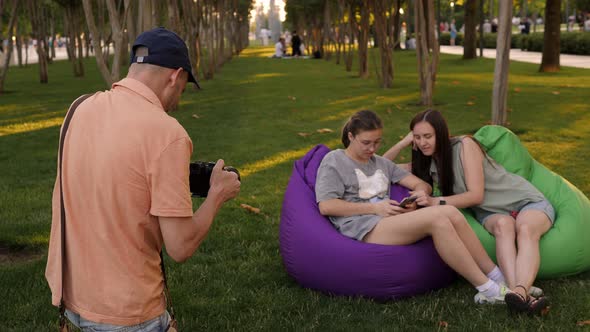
(441, 201)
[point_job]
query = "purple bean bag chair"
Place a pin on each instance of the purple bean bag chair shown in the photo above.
(320, 258)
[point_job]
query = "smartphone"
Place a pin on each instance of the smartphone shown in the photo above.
(407, 201)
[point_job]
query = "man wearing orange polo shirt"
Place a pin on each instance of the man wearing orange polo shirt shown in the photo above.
(125, 179)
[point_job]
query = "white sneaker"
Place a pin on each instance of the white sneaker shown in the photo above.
(535, 291)
(480, 297)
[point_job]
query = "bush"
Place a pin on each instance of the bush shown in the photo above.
(571, 42)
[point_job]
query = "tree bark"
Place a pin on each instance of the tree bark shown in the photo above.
(351, 33)
(382, 29)
(364, 41)
(8, 51)
(39, 32)
(500, 90)
(74, 44)
(397, 25)
(470, 37)
(427, 49)
(551, 37)
(113, 75)
(19, 45)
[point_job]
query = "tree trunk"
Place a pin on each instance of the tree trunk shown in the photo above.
(113, 75)
(382, 29)
(39, 32)
(551, 37)
(351, 34)
(340, 32)
(74, 44)
(192, 21)
(427, 49)
(470, 37)
(326, 32)
(500, 91)
(8, 51)
(363, 34)
(397, 25)
(19, 45)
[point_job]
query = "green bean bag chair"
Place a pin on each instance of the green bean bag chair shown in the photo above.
(564, 248)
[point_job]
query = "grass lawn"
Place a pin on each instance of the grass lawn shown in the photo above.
(251, 115)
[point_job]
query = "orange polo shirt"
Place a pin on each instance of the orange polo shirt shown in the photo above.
(125, 163)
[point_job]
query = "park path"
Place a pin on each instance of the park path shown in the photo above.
(567, 60)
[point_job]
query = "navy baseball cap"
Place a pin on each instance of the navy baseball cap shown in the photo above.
(165, 49)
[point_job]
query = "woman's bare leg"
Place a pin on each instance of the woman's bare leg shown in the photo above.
(530, 226)
(410, 227)
(504, 230)
(470, 240)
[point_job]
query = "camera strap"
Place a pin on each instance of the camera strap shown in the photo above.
(62, 318)
(64, 130)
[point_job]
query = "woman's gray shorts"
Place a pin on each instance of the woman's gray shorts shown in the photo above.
(543, 206)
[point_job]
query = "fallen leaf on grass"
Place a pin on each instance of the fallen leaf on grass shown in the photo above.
(293, 98)
(516, 89)
(583, 323)
(545, 310)
(509, 110)
(388, 110)
(325, 130)
(455, 82)
(402, 158)
(303, 134)
(250, 208)
(443, 324)
(398, 107)
(473, 97)
(470, 103)
(196, 116)
(555, 92)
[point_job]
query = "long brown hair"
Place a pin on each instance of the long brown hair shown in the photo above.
(360, 121)
(442, 153)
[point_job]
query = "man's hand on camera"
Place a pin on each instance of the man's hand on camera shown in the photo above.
(223, 183)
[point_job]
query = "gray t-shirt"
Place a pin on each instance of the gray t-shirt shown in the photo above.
(341, 177)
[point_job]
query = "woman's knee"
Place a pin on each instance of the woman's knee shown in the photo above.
(448, 211)
(529, 230)
(442, 224)
(504, 227)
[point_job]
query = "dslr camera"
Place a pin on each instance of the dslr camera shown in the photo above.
(200, 176)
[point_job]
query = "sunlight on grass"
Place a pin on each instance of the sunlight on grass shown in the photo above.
(30, 126)
(566, 142)
(553, 152)
(266, 75)
(278, 158)
(349, 100)
(36, 240)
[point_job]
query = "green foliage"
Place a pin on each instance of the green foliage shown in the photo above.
(583, 5)
(250, 115)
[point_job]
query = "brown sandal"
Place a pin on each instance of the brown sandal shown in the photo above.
(529, 304)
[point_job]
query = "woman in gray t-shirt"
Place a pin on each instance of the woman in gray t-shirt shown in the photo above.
(352, 189)
(507, 205)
